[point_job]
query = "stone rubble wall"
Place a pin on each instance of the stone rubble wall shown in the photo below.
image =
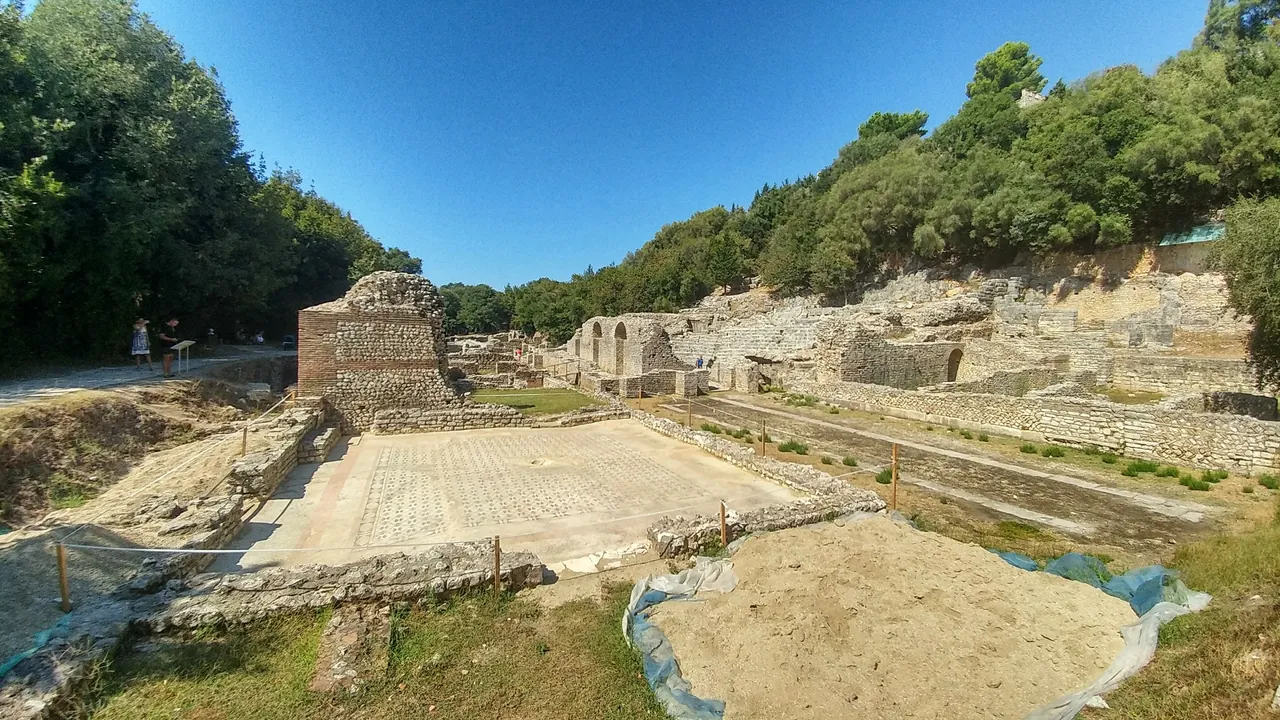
(1261, 407)
(1016, 383)
(45, 685)
(396, 421)
(315, 447)
(829, 496)
(380, 346)
(1176, 375)
(259, 473)
(1233, 442)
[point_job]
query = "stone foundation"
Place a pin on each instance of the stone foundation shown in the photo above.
(1177, 436)
(259, 473)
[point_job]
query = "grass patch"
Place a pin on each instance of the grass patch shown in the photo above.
(536, 401)
(1213, 476)
(885, 476)
(850, 461)
(1190, 482)
(518, 660)
(1014, 530)
(1197, 671)
(1168, 471)
(712, 428)
(1029, 448)
(833, 410)
(1247, 489)
(67, 493)
(1108, 458)
(794, 446)
(1269, 482)
(983, 437)
(1052, 451)
(1143, 466)
(966, 434)
(828, 461)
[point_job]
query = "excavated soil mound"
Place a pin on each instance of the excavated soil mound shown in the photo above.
(877, 620)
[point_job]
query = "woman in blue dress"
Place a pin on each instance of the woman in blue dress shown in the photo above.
(141, 344)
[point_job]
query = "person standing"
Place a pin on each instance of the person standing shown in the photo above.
(168, 335)
(141, 344)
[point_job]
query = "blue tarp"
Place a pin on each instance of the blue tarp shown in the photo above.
(1142, 587)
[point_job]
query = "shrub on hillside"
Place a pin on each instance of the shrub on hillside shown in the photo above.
(1053, 451)
(885, 476)
(794, 446)
(850, 461)
(1270, 482)
(1029, 449)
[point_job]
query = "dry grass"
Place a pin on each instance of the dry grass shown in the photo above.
(1223, 662)
(476, 657)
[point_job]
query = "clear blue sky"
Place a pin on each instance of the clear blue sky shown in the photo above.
(502, 142)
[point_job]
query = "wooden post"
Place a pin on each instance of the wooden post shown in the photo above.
(688, 412)
(893, 505)
(244, 441)
(497, 566)
(762, 437)
(724, 528)
(63, 585)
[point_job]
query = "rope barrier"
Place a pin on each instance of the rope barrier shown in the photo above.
(183, 464)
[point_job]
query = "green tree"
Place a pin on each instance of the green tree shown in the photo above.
(1008, 70)
(1249, 256)
(899, 125)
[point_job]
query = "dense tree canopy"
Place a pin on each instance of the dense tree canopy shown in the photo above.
(1249, 255)
(1116, 157)
(125, 192)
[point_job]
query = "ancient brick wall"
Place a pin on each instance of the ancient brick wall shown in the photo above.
(380, 346)
(1175, 375)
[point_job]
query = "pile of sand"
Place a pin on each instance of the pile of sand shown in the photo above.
(877, 620)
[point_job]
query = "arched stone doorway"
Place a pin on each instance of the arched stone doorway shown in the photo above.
(596, 334)
(953, 364)
(619, 340)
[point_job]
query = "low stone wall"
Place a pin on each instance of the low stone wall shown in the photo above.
(316, 445)
(1262, 407)
(1003, 382)
(1175, 375)
(1172, 435)
(396, 421)
(45, 684)
(259, 473)
(830, 497)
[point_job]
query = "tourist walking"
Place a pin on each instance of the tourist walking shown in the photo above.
(168, 334)
(141, 344)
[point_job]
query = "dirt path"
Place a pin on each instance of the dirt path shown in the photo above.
(876, 620)
(53, 385)
(1065, 503)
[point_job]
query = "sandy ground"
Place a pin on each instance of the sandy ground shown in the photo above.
(877, 620)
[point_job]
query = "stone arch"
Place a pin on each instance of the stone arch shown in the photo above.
(619, 342)
(953, 364)
(596, 334)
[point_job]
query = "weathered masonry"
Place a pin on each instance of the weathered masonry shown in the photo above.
(379, 347)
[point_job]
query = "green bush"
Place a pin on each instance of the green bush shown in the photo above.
(712, 428)
(982, 437)
(827, 461)
(1053, 451)
(1144, 466)
(1169, 472)
(833, 410)
(793, 446)
(966, 434)
(1109, 458)
(1247, 489)
(1213, 476)
(1129, 472)
(1029, 449)
(885, 476)
(1269, 482)
(1193, 484)
(850, 461)
(1091, 450)
(929, 428)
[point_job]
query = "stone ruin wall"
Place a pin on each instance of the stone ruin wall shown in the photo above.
(381, 346)
(1169, 434)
